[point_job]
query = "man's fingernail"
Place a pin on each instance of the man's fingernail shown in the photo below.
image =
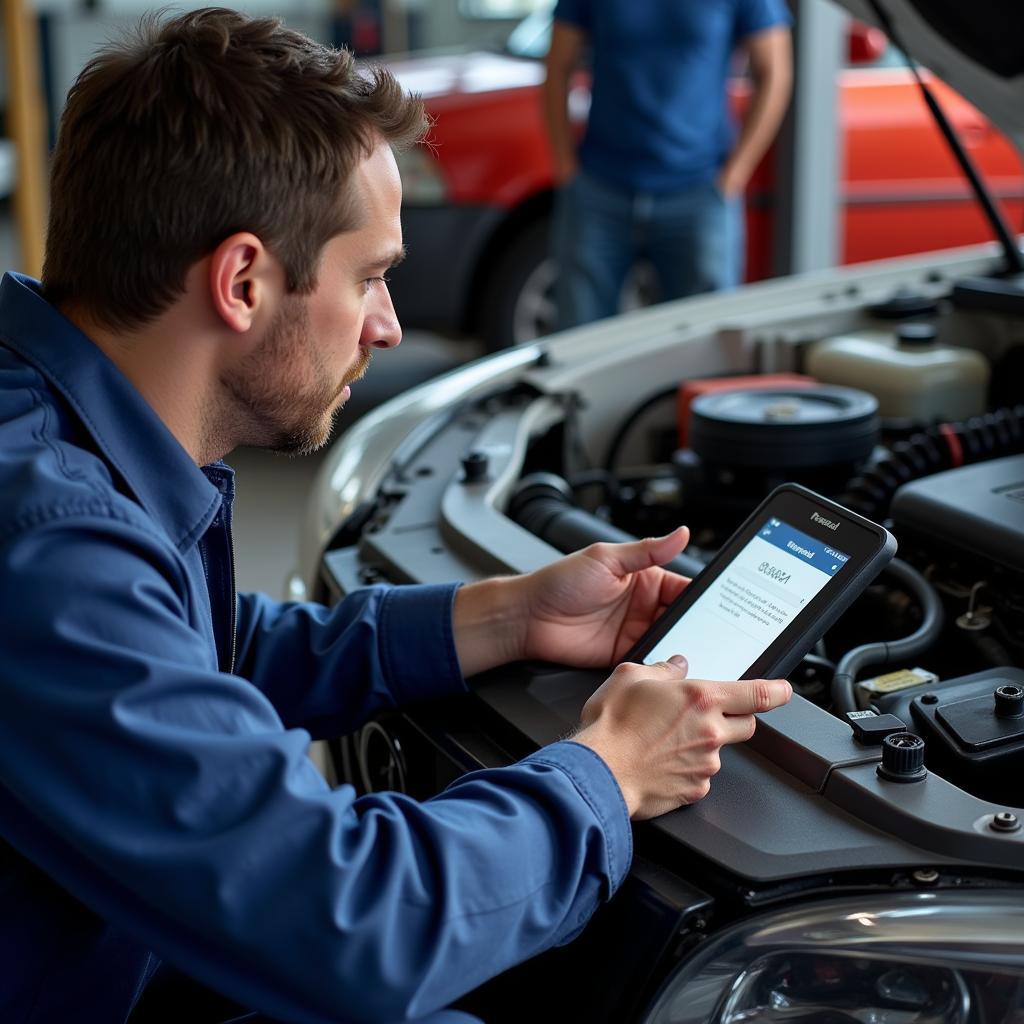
(678, 660)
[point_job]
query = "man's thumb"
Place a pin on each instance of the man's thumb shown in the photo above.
(642, 554)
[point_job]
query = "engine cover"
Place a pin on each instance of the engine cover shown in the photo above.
(975, 510)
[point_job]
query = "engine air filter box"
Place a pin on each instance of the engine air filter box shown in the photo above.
(784, 427)
(746, 441)
(691, 390)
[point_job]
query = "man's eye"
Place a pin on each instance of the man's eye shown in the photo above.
(376, 280)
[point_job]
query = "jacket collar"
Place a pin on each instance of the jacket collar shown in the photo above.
(129, 434)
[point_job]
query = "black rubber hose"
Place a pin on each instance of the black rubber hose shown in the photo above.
(619, 440)
(542, 504)
(887, 651)
(944, 446)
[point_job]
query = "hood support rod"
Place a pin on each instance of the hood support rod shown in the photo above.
(1011, 251)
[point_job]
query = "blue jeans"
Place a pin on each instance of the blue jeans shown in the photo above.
(693, 239)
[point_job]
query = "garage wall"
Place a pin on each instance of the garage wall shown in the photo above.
(76, 33)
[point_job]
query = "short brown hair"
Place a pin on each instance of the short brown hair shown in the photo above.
(196, 127)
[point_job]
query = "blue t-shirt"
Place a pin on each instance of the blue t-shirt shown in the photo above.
(659, 119)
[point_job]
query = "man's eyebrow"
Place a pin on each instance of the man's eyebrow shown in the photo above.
(385, 261)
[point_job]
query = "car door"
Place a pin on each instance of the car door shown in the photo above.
(903, 190)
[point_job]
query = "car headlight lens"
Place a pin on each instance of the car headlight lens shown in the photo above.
(846, 990)
(422, 181)
(920, 958)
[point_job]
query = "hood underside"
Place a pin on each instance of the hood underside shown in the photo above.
(977, 48)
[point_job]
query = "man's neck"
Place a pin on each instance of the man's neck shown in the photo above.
(171, 365)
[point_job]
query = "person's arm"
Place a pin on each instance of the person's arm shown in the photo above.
(567, 41)
(386, 647)
(168, 798)
(586, 609)
(330, 670)
(771, 74)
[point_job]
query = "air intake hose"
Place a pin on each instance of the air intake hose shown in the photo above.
(542, 503)
(944, 446)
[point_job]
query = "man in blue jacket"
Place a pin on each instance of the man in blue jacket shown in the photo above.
(225, 207)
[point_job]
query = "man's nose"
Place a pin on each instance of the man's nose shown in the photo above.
(381, 328)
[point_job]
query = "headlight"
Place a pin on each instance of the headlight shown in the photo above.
(921, 958)
(422, 181)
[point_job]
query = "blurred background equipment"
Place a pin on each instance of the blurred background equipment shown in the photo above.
(26, 118)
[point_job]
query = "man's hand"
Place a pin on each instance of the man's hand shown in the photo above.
(732, 180)
(660, 733)
(590, 608)
(587, 609)
(565, 167)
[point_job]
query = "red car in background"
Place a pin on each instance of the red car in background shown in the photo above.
(478, 197)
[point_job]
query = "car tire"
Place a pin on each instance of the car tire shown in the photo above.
(519, 299)
(518, 303)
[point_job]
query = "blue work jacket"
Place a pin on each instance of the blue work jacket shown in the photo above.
(157, 801)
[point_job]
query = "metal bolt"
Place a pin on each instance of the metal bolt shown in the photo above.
(475, 466)
(1009, 701)
(1005, 821)
(929, 698)
(925, 876)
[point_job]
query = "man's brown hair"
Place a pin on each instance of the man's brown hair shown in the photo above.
(194, 128)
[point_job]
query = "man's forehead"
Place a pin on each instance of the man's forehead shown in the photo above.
(370, 248)
(385, 257)
(376, 178)
(375, 188)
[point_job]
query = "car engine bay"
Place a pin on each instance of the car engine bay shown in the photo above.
(882, 388)
(861, 859)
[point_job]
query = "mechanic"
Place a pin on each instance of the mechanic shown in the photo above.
(659, 175)
(225, 206)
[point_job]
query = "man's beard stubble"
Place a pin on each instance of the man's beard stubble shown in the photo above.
(283, 395)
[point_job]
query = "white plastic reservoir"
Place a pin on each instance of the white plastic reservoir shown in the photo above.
(909, 373)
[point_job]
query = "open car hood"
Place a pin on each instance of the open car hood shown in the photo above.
(974, 47)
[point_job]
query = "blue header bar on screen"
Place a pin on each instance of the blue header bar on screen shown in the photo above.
(801, 545)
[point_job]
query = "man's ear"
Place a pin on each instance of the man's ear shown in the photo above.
(243, 276)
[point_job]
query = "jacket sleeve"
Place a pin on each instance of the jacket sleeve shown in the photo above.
(329, 670)
(171, 800)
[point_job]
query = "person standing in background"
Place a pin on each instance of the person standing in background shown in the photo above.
(661, 169)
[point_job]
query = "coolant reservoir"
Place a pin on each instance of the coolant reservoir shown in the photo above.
(909, 373)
